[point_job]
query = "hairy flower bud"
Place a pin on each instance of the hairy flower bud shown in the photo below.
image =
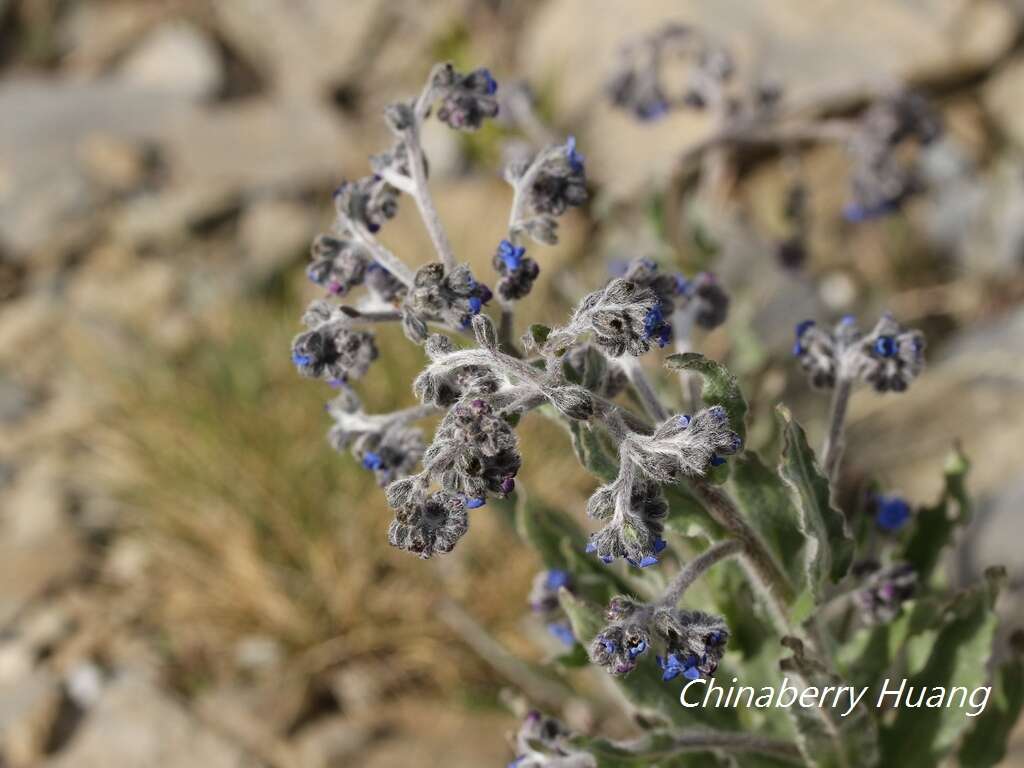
(466, 100)
(617, 647)
(453, 297)
(429, 526)
(518, 271)
(337, 264)
(695, 642)
(369, 201)
(636, 526)
(474, 453)
(332, 349)
(883, 594)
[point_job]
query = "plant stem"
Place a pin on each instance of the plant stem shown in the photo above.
(724, 512)
(832, 451)
(694, 569)
(424, 201)
(644, 390)
(730, 741)
(382, 255)
(506, 331)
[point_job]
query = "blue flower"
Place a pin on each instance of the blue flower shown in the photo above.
(655, 326)
(855, 212)
(575, 158)
(475, 503)
(491, 85)
(372, 460)
(886, 346)
(682, 285)
(563, 632)
(675, 666)
(475, 305)
(510, 254)
(557, 578)
(801, 329)
(300, 359)
(652, 110)
(892, 512)
(717, 461)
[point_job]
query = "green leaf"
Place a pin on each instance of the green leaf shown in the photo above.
(657, 749)
(539, 333)
(720, 386)
(592, 450)
(922, 736)
(765, 499)
(828, 739)
(810, 493)
(688, 516)
(934, 525)
(985, 744)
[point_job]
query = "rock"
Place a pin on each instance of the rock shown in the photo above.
(28, 708)
(273, 233)
(42, 184)
(335, 741)
(1002, 94)
(258, 653)
(176, 58)
(135, 725)
(165, 218)
(114, 163)
(817, 51)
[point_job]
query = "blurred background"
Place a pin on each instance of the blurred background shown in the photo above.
(189, 576)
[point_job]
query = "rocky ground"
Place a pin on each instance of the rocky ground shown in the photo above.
(161, 164)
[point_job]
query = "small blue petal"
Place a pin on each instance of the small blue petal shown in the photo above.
(607, 560)
(590, 548)
(556, 578)
(300, 359)
(717, 461)
(563, 632)
(475, 503)
(648, 561)
(659, 545)
(372, 460)
(475, 305)
(691, 673)
(886, 346)
(683, 421)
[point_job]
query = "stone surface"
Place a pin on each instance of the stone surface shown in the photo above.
(1002, 95)
(818, 50)
(135, 725)
(177, 58)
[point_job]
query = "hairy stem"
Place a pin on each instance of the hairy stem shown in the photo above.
(694, 569)
(424, 201)
(506, 331)
(644, 390)
(832, 451)
(382, 255)
(724, 512)
(730, 741)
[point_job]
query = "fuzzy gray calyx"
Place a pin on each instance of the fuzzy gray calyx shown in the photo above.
(889, 357)
(429, 525)
(885, 590)
(635, 529)
(451, 297)
(618, 316)
(466, 99)
(369, 202)
(475, 452)
(332, 349)
(446, 385)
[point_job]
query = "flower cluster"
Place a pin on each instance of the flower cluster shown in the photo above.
(518, 271)
(881, 178)
(427, 524)
(452, 297)
(466, 99)
(693, 642)
(332, 349)
(544, 602)
(640, 83)
(882, 596)
(888, 357)
(474, 453)
(386, 445)
(623, 317)
(543, 742)
(367, 202)
(545, 188)
(632, 503)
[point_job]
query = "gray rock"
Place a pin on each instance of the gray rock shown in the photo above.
(175, 58)
(136, 725)
(28, 706)
(1002, 97)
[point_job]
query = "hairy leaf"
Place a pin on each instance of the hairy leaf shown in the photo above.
(934, 525)
(720, 386)
(922, 736)
(830, 557)
(985, 744)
